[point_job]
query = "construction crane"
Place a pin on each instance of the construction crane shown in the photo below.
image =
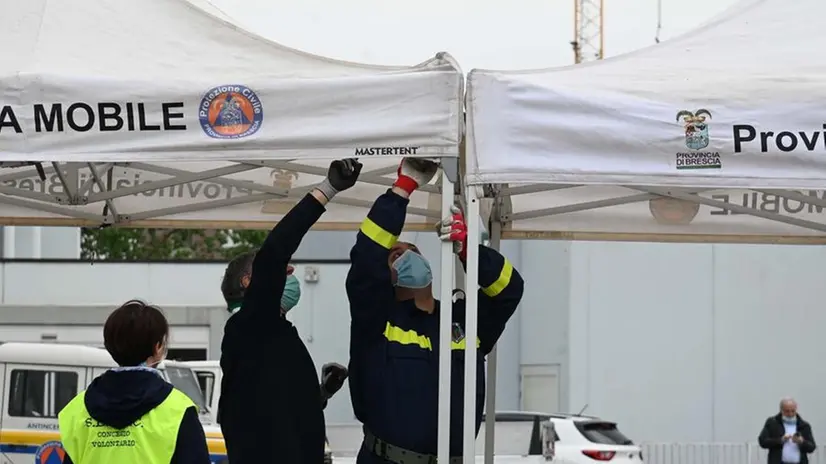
(588, 42)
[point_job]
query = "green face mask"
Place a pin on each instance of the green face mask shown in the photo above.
(292, 293)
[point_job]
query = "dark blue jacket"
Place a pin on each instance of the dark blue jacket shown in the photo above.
(270, 401)
(394, 347)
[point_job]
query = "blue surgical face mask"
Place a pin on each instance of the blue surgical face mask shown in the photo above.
(790, 419)
(413, 271)
(292, 293)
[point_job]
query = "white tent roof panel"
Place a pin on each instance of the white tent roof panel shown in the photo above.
(212, 90)
(255, 120)
(616, 121)
(150, 39)
(730, 109)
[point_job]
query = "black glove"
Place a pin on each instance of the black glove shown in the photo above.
(342, 175)
(333, 376)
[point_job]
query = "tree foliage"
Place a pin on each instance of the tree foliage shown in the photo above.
(120, 244)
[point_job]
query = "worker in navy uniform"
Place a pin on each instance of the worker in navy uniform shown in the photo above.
(270, 410)
(394, 334)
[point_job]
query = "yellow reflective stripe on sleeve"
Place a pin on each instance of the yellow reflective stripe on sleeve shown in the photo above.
(504, 279)
(406, 337)
(462, 345)
(375, 233)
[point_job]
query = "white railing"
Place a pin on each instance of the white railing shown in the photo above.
(713, 453)
(345, 440)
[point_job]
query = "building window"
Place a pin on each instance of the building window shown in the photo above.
(37, 393)
(65, 389)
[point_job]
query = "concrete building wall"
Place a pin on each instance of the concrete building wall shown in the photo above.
(695, 342)
(70, 300)
(676, 342)
(40, 242)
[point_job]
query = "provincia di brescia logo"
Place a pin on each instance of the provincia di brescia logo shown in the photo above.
(746, 139)
(695, 123)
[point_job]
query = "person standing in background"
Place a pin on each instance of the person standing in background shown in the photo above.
(787, 436)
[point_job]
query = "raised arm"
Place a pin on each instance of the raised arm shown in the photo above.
(269, 268)
(368, 284)
(500, 291)
(369, 288)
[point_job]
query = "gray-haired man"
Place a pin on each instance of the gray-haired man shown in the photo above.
(787, 436)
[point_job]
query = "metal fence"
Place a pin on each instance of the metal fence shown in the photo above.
(713, 453)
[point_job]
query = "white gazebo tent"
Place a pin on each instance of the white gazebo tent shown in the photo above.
(716, 136)
(164, 113)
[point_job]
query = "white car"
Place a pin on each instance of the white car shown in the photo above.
(581, 439)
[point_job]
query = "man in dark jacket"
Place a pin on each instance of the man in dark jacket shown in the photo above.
(133, 401)
(270, 409)
(787, 436)
(394, 333)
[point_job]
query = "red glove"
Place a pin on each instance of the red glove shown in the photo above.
(454, 229)
(414, 173)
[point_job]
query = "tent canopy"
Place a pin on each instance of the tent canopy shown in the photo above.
(715, 135)
(228, 127)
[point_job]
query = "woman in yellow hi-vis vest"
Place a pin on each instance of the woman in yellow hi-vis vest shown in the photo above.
(130, 415)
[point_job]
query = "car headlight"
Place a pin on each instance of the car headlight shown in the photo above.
(328, 453)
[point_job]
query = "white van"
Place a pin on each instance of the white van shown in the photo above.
(39, 379)
(209, 377)
(208, 374)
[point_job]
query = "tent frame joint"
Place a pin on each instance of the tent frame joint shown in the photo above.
(450, 166)
(502, 209)
(491, 191)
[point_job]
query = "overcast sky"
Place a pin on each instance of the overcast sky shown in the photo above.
(502, 34)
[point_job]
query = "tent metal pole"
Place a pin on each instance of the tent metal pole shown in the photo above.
(367, 177)
(240, 184)
(471, 326)
(154, 185)
(102, 169)
(735, 208)
(490, 399)
(585, 206)
(95, 176)
(445, 322)
(61, 211)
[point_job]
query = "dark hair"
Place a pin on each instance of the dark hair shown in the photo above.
(132, 332)
(231, 286)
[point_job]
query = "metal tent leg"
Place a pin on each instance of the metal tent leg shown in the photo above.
(471, 326)
(490, 400)
(445, 322)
